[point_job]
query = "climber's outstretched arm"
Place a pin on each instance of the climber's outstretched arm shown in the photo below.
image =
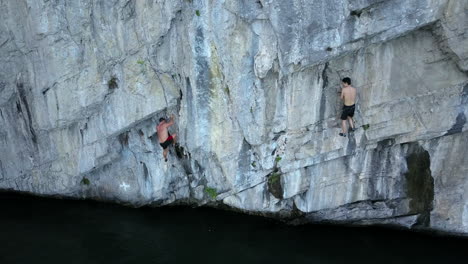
(170, 123)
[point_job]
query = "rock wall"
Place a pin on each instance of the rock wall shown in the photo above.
(254, 86)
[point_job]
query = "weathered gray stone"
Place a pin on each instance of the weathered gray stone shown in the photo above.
(254, 86)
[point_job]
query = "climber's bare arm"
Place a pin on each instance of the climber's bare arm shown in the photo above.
(170, 123)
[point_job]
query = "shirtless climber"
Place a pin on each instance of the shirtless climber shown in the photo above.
(348, 95)
(165, 139)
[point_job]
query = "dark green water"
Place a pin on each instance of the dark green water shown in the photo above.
(36, 230)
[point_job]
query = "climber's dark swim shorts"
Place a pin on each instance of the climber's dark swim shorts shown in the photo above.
(347, 111)
(168, 142)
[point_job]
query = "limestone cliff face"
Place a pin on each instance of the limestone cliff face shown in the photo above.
(254, 87)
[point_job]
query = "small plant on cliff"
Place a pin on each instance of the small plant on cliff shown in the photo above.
(141, 62)
(274, 184)
(274, 178)
(85, 181)
(278, 158)
(366, 126)
(211, 192)
(197, 12)
(253, 164)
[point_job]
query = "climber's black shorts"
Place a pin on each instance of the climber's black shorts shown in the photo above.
(166, 143)
(347, 111)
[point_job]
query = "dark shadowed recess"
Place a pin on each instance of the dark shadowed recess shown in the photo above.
(39, 230)
(420, 184)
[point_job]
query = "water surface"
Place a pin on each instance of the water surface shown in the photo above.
(38, 230)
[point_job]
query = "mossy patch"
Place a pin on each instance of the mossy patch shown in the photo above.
(211, 192)
(366, 126)
(141, 62)
(197, 12)
(274, 178)
(85, 181)
(277, 159)
(274, 184)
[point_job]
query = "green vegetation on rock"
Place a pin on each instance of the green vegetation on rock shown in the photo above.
(277, 159)
(274, 178)
(85, 181)
(211, 192)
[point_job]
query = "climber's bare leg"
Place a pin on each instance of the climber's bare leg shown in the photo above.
(166, 150)
(351, 122)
